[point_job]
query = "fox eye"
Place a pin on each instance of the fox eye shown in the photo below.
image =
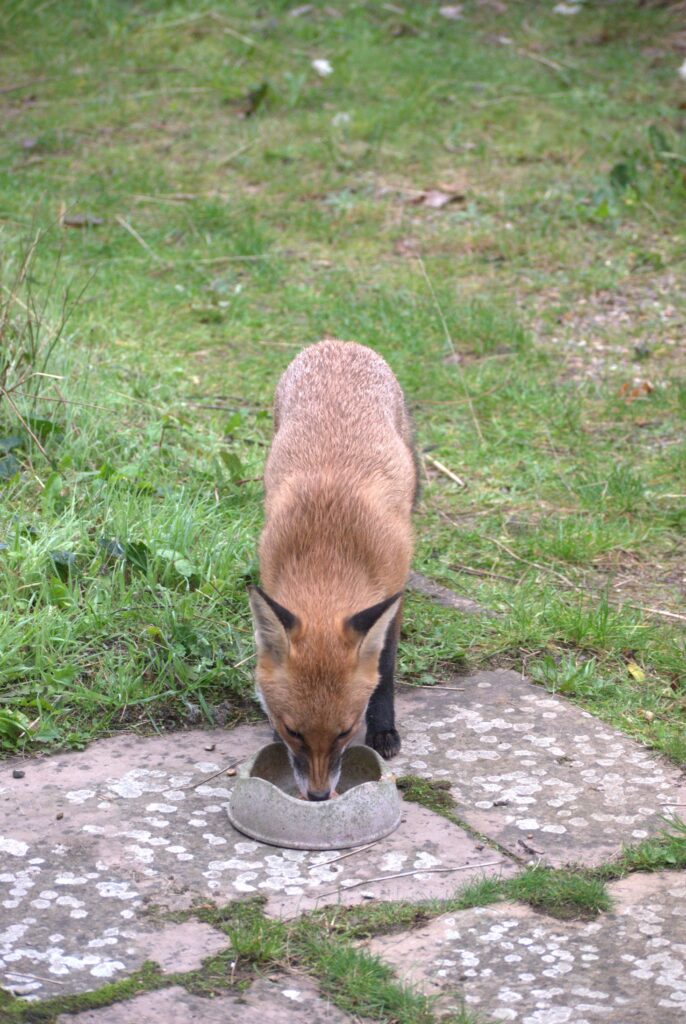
(295, 735)
(346, 732)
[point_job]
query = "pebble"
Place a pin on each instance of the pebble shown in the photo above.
(18, 773)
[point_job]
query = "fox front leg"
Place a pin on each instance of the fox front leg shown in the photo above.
(381, 732)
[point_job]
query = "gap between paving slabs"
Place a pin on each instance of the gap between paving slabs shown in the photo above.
(91, 840)
(626, 967)
(140, 826)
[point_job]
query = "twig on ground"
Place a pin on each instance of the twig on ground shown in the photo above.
(471, 571)
(34, 977)
(405, 874)
(658, 611)
(134, 234)
(61, 400)
(536, 565)
(559, 69)
(222, 771)
(582, 589)
(431, 686)
(26, 426)
(350, 853)
(22, 85)
(446, 472)
(248, 658)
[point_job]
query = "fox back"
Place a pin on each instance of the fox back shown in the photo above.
(335, 551)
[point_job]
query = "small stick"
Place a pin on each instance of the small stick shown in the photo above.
(430, 686)
(26, 426)
(62, 401)
(536, 565)
(134, 234)
(552, 64)
(670, 803)
(239, 663)
(34, 977)
(405, 874)
(350, 853)
(446, 472)
(222, 771)
(659, 611)
(471, 571)
(16, 88)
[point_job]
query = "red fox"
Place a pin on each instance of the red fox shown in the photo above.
(340, 484)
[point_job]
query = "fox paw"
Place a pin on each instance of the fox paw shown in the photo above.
(385, 743)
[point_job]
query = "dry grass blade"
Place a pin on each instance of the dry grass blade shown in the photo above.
(451, 345)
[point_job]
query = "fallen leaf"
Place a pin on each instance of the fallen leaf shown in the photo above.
(639, 390)
(453, 12)
(636, 671)
(647, 716)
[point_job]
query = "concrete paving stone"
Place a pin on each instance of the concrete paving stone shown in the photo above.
(444, 596)
(545, 779)
(511, 964)
(142, 825)
(287, 1000)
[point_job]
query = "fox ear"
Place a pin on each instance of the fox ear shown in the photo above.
(272, 623)
(371, 626)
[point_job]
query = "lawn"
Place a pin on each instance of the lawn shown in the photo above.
(495, 202)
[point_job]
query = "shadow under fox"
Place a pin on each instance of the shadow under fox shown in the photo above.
(340, 482)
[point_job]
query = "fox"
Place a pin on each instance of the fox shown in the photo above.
(340, 484)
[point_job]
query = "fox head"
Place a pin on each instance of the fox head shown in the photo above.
(314, 683)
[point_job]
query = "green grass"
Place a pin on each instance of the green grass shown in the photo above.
(219, 244)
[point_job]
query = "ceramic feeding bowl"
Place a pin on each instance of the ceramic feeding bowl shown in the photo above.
(265, 803)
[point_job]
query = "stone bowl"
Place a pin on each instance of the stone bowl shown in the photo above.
(265, 803)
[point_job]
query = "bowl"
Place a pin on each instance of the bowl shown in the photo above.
(265, 803)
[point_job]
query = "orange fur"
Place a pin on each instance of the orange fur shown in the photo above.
(339, 482)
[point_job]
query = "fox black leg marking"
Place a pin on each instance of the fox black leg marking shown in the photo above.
(381, 731)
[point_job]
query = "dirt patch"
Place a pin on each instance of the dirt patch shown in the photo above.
(634, 331)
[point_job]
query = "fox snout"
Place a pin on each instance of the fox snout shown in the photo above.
(316, 777)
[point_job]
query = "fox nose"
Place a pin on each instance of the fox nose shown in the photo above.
(323, 794)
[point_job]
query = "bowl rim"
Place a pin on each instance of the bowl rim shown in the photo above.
(391, 817)
(245, 774)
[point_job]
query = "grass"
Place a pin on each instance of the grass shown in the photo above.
(165, 255)
(184, 203)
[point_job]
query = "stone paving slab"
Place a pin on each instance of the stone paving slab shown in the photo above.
(545, 779)
(512, 964)
(444, 596)
(140, 827)
(288, 1000)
